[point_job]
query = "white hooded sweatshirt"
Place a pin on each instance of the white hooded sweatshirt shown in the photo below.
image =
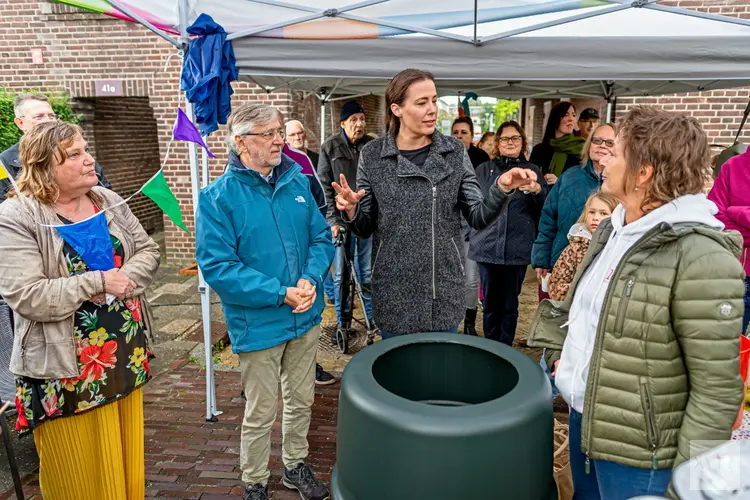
(585, 311)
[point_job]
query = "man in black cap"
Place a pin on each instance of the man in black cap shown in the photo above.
(587, 122)
(340, 155)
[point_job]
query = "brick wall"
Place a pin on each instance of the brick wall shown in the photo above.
(719, 111)
(127, 141)
(308, 109)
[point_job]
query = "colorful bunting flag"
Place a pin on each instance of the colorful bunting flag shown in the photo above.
(90, 238)
(158, 190)
(3, 173)
(185, 130)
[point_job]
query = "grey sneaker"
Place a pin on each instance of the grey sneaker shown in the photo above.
(301, 478)
(256, 492)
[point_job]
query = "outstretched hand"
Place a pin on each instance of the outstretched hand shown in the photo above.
(516, 178)
(346, 199)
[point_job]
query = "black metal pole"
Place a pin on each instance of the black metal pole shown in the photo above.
(475, 20)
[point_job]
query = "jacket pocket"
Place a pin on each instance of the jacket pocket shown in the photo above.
(458, 255)
(548, 328)
(652, 431)
(623, 306)
(375, 261)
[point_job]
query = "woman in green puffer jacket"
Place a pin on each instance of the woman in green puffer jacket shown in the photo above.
(650, 356)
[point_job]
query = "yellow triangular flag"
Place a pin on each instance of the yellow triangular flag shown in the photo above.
(3, 173)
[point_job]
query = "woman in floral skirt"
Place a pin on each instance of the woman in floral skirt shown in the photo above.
(81, 352)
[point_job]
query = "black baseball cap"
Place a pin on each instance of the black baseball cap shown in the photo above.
(589, 114)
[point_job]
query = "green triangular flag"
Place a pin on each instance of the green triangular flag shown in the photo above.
(158, 190)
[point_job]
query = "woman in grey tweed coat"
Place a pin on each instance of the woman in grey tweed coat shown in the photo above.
(413, 186)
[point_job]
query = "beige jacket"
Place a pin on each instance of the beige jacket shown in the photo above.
(35, 282)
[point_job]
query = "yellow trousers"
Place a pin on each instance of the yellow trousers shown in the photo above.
(97, 455)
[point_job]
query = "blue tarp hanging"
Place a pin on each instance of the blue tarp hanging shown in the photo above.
(207, 71)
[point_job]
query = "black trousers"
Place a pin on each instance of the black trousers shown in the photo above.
(501, 286)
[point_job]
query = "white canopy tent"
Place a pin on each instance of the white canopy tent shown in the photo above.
(501, 48)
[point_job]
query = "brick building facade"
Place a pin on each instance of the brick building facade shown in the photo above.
(129, 134)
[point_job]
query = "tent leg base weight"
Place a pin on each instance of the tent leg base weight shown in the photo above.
(213, 418)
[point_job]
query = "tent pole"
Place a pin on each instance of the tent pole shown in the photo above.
(182, 7)
(203, 289)
(610, 109)
(322, 122)
(212, 412)
(476, 2)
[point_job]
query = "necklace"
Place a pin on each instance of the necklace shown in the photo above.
(69, 215)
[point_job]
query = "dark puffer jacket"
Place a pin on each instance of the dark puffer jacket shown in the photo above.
(414, 215)
(509, 239)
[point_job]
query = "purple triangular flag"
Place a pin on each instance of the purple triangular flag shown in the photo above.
(185, 130)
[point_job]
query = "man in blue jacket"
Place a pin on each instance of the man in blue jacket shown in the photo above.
(264, 246)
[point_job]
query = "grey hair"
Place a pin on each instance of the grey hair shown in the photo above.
(295, 122)
(245, 117)
(22, 99)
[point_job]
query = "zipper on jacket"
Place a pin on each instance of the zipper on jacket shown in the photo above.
(434, 221)
(648, 409)
(624, 300)
(375, 261)
(460, 260)
(593, 377)
(434, 217)
(587, 464)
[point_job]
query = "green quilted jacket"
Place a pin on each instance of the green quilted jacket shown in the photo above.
(665, 366)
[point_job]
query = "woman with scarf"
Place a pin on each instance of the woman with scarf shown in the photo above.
(560, 149)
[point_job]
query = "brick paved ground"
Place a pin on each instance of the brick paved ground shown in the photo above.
(189, 458)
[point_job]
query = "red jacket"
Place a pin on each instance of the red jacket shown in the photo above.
(731, 193)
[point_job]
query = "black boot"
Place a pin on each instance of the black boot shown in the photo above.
(469, 322)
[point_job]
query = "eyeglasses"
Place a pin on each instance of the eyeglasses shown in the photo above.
(295, 134)
(269, 135)
(506, 140)
(599, 141)
(42, 116)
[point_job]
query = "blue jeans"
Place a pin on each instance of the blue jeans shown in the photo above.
(609, 480)
(746, 317)
(328, 287)
(472, 277)
(548, 372)
(362, 251)
(390, 335)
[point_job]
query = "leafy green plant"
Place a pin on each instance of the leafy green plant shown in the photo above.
(505, 109)
(10, 133)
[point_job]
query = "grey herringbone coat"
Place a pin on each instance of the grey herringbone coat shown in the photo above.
(414, 216)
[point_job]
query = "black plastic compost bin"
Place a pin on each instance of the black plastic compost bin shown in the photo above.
(444, 416)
